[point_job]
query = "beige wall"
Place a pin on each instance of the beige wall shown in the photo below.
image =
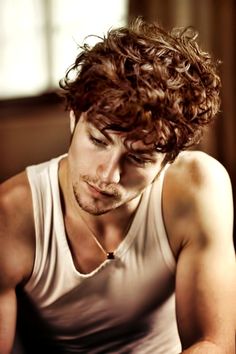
(30, 135)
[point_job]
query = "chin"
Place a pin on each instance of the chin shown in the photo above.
(95, 207)
(96, 211)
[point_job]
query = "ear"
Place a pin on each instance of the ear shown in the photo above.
(72, 121)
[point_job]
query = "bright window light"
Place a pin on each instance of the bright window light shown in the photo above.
(40, 38)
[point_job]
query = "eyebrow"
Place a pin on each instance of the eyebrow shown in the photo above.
(149, 151)
(93, 127)
(102, 132)
(145, 151)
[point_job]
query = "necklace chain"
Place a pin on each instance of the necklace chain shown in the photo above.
(109, 255)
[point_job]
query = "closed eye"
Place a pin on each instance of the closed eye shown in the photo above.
(138, 160)
(97, 142)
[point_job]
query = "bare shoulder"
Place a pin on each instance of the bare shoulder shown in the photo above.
(13, 191)
(195, 174)
(199, 168)
(16, 230)
(197, 197)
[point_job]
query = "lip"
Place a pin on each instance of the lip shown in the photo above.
(97, 192)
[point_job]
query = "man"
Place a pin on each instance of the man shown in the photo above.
(124, 245)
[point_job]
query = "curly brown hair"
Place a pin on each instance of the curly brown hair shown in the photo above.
(153, 85)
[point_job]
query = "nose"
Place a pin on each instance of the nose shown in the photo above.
(108, 170)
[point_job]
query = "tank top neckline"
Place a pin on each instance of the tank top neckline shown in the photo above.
(125, 243)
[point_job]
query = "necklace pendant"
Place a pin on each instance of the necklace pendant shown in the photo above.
(110, 255)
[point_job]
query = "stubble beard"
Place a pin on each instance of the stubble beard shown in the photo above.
(93, 207)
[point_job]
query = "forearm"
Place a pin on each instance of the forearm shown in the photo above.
(7, 320)
(208, 347)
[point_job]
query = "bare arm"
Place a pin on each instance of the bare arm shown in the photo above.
(16, 252)
(205, 280)
(7, 319)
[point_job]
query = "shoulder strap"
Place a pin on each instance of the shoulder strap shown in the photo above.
(156, 202)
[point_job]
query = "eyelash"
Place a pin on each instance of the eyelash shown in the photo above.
(132, 158)
(97, 142)
(138, 161)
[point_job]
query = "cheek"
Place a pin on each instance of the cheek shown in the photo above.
(80, 152)
(77, 161)
(140, 178)
(83, 161)
(150, 174)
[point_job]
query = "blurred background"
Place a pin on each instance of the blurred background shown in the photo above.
(39, 40)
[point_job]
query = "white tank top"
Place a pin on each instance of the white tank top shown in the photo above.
(126, 305)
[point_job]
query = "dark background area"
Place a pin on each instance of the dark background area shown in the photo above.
(37, 128)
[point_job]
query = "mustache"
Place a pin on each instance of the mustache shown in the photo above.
(109, 189)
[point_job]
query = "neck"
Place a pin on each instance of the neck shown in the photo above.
(114, 221)
(109, 229)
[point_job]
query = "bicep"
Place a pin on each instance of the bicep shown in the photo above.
(205, 280)
(7, 320)
(205, 295)
(13, 261)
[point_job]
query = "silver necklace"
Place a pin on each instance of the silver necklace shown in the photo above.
(109, 254)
